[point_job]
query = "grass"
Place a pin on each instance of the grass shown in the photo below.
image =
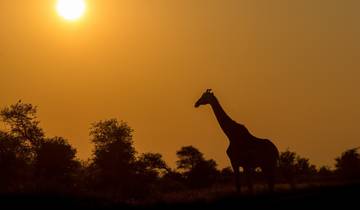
(309, 195)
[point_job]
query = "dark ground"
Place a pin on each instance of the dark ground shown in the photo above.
(324, 197)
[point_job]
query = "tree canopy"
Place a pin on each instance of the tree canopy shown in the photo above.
(348, 164)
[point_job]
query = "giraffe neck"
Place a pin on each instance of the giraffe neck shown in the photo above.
(226, 123)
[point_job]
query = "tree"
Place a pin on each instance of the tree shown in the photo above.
(303, 168)
(172, 181)
(227, 174)
(56, 160)
(152, 162)
(325, 172)
(189, 157)
(23, 123)
(22, 140)
(114, 155)
(198, 171)
(294, 167)
(14, 162)
(287, 165)
(348, 164)
(203, 174)
(49, 160)
(149, 167)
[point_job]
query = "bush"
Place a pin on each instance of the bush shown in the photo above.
(197, 171)
(55, 164)
(14, 163)
(348, 164)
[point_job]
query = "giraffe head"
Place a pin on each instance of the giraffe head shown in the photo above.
(206, 98)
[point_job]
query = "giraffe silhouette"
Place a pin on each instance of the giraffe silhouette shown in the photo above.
(245, 150)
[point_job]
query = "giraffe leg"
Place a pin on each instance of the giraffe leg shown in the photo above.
(249, 173)
(237, 177)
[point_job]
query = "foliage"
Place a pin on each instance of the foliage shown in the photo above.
(303, 168)
(19, 144)
(198, 171)
(325, 172)
(30, 161)
(293, 167)
(56, 159)
(152, 163)
(23, 123)
(114, 155)
(14, 162)
(226, 174)
(189, 157)
(287, 164)
(203, 174)
(348, 164)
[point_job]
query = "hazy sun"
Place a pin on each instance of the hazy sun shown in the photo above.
(70, 9)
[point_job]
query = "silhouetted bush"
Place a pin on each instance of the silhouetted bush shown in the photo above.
(32, 162)
(294, 168)
(113, 156)
(172, 181)
(22, 141)
(150, 167)
(348, 164)
(55, 164)
(325, 171)
(226, 175)
(23, 123)
(189, 157)
(152, 162)
(198, 171)
(14, 163)
(203, 174)
(287, 166)
(326, 174)
(304, 170)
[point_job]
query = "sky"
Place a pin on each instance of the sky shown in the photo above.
(288, 70)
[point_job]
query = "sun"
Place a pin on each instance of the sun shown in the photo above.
(71, 9)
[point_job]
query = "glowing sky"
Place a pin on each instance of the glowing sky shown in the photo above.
(288, 70)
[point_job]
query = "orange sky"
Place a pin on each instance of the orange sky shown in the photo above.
(288, 70)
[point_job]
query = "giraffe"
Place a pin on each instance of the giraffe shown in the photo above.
(245, 150)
